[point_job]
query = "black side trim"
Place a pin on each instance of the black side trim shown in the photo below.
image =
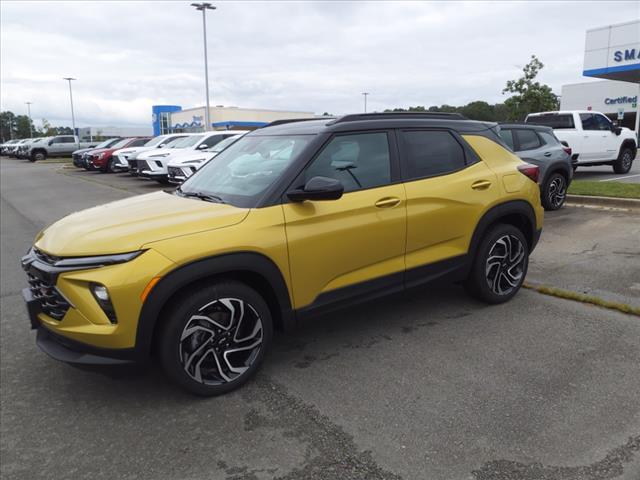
(249, 262)
(454, 267)
(353, 294)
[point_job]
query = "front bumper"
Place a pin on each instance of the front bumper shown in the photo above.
(150, 174)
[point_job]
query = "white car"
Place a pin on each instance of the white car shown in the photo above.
(593, 138)
(153, 165)
(124, 159)
(181, 168)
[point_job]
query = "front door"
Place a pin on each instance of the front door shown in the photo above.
(353, 246)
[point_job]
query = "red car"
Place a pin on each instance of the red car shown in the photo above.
(102, 160)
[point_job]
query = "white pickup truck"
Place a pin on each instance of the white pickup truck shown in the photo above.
(593, 138)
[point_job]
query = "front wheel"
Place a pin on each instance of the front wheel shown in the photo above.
(500, 266)
(554, 192)
(38, 157)
(623, 163)
(215, 338)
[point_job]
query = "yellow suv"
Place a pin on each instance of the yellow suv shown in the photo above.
(290, 221)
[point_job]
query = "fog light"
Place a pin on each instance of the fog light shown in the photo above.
(101, 295)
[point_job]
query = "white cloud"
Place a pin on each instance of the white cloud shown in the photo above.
(315, 56)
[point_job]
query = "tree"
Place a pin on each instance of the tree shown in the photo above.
(47, 130)
(529, 95)
(7, 125)
(24, 127)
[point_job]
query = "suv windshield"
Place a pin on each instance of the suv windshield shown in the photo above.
(187, 142)
(241, 173)
(121, 143)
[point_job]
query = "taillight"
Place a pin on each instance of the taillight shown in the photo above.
(531, 171)
(567, 150)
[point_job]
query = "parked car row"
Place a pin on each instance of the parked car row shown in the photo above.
(170, 158)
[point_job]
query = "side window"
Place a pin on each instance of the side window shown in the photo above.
(602, 122)
(527, 139)
(211, 141)
(67, 140)
(430, 153)
(588, 121)
(548, 138)
(359, 161)
(507, 137)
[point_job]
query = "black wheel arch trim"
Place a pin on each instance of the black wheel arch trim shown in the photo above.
(231, 263)
(513, 207)
(628, 143)
(560, 166)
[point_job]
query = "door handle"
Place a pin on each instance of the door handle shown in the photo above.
(481, 185)
(387, 202)
(547, 154)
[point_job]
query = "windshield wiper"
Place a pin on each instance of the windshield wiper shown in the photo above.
(207, 197)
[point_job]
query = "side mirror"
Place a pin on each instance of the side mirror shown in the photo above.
(162, 145)
(50, 142)
(617, 130)
(202, 146)
(318, 188)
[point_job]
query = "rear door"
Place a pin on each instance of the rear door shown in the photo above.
(353, 246)
(448, 188)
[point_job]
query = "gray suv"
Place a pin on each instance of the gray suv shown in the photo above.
(539, 146)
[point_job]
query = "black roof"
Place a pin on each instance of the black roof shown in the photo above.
(373, 121)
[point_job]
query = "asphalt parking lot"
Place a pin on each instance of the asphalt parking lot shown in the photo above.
(605, 173)
(426, 385)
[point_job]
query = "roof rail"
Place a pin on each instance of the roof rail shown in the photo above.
(394, 115)
(292, 120)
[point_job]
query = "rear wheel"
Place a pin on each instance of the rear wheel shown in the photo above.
(215, 338)
(624, 161)
(554, 192)
(500, 266)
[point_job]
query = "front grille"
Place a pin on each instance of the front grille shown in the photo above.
(175, 172)
(133, 165)
(52, 303)
(45, 257)
(142, 166)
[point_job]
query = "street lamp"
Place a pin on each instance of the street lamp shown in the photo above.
(203, 7)
(29, 113)
(73, 118)
(364, 94)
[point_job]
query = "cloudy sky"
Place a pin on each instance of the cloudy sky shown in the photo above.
(310, 56)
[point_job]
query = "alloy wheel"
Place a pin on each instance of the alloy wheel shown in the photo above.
(627, 158)
(221, 341)
(557, 192)
(505, 265)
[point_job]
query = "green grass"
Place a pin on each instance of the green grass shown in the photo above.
(57, 160)
(605, 189)
(579, 297)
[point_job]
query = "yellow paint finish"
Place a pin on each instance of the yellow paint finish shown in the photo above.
(125, 225)
(261, 231)
(442, 213)
(502, 162)
(86, 322)
(337, 243)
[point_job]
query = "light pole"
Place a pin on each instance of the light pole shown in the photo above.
(73, 118)
(203, 7)
(30, 123)
(364, 94)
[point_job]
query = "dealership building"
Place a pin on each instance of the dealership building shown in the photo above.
(173, 118)
(611, 53)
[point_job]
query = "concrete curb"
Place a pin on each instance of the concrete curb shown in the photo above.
(593, 201)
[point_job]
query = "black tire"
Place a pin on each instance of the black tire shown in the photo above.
(198, 361)
(38, 156)
(108, 168)
(554, 192)
(624, 162)
(511, 273)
